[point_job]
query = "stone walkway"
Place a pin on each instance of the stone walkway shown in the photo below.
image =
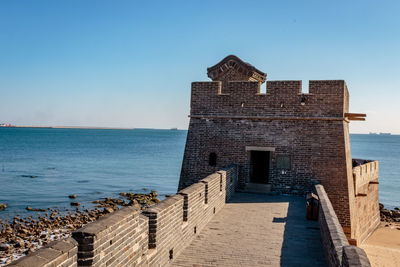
(257, 230)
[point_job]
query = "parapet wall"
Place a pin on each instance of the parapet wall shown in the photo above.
(366, 191)
(58, 253)
(338, 252)
(364, 175)
(282, 98)
(154, 237)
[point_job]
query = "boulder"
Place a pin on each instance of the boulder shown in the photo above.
(396, 213)
(32, 209)
(386, 212)
(108, 210)
(4, 247)
(3, 206)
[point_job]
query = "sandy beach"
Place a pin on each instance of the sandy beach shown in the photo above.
(383, 246)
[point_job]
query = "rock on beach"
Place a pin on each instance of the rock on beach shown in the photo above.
(22, 236)
(2, 206)
(388, 215)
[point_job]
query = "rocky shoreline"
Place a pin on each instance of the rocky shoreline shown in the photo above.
(390, 216)
(22, 236)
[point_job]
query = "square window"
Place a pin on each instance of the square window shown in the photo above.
(283, 162)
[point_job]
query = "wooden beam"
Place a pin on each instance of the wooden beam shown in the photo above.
(355, 115)
(356, 119)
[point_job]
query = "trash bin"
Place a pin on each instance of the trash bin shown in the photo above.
(312, 204)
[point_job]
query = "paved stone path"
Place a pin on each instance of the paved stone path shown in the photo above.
(257, 230)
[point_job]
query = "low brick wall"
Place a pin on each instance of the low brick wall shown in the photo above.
(366, 189)
(174, 222)
(154, 237)
(119, 238)
(338, 252)
(58, 253)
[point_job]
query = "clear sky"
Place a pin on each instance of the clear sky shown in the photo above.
(131, 63)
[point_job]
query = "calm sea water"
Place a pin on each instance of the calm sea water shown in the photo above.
(97, 163)
(90, 163)
(385, 149)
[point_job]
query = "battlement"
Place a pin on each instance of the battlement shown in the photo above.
(281, 138)
(326, 98)
(363, 175)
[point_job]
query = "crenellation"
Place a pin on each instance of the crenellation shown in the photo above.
(308, 134)
(283, 99)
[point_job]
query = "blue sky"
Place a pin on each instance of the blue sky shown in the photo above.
(131, 63)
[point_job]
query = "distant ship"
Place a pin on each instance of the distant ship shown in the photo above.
(174, 129)
(373, 133)
(385, 134)
(6, 125)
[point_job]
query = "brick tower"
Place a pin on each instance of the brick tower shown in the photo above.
(281, 140)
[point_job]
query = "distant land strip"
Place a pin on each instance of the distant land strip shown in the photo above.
(69, 127)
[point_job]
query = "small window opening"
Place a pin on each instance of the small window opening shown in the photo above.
(283, 162)
(171, 254)
(303, 100)
(220, 182)
(212, 160)
(195, 229)
(214, 210)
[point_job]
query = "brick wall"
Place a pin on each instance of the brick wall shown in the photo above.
(58, 253)
(326, 98)
(227, 117)
(154, 237)
(338, 252)
(175, 221)
(119, 238)
(366, 199)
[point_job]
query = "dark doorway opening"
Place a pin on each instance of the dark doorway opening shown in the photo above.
(259, 167)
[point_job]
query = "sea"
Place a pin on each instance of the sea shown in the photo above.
(41, 167)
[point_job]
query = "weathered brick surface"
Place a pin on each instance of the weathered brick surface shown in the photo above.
(118, 239)
(338, 252)
(355, 257)
(62, 253)
(367, 200)
(257, 230)
(175, 221)
(229, 114)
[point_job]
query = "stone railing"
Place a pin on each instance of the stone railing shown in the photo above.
(154, 237)
(363, 174)
(338, 252)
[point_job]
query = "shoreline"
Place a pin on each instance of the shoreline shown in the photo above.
(68, 127)
(22, 236)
